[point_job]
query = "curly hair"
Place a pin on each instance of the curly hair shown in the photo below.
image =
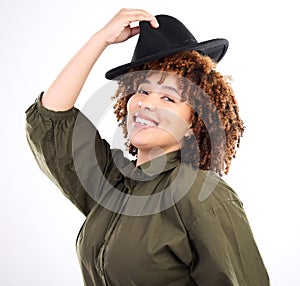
(216, 122)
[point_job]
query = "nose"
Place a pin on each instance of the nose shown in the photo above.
(147, 102)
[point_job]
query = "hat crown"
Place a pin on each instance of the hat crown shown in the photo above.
(170, 34)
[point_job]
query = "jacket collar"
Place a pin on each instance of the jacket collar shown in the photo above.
(160, 164)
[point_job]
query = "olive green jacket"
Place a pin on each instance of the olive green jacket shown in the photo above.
(161, 224)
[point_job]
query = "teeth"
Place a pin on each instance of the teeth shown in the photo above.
(145, 122)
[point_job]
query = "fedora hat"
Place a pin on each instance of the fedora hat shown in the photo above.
(171, 37)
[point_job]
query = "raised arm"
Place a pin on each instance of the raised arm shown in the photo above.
(63, 92)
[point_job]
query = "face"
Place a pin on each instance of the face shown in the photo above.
(157, 115)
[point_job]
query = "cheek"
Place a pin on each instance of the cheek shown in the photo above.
(176, 122)
(186, 114)
(189, 115)
(132, 104)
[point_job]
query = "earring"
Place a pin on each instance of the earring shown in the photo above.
(188, 137)
(189, 133)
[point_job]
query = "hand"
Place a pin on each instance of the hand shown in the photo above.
(118, 29)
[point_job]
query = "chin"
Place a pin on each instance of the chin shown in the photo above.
(140, 143)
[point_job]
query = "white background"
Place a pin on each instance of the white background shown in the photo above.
(39, 225)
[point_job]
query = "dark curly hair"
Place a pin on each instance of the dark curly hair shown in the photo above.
(216, 123)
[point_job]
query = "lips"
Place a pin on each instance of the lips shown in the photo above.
(145, 120)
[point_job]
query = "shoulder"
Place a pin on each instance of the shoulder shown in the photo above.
(207, 192)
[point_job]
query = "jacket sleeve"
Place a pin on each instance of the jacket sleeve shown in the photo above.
(69, 150)
(225, 248)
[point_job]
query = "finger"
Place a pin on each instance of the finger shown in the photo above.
(135, 31)
(154, 23)
(134, 15)
(151, 19)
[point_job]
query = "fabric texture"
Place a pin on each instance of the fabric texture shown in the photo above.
(197, 240)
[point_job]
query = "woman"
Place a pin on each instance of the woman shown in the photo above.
(167, 218)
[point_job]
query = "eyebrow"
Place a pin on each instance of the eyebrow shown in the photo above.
(167, 87)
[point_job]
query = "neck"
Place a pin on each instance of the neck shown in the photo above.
(145, 156)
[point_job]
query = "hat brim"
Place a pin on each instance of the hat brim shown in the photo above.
(215, 49)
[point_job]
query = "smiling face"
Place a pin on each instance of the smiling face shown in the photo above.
(216, 123)
(157, 116)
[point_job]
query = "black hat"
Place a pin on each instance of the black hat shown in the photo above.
(171, 37)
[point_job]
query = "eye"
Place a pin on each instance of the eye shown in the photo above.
(167, 98)
(142, 91)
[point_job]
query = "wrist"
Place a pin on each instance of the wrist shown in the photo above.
(100, 39)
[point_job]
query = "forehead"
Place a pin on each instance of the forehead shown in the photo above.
(162, 78)
(165, 82)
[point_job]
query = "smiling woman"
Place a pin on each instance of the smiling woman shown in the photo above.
(188, 85)
(166, 218)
